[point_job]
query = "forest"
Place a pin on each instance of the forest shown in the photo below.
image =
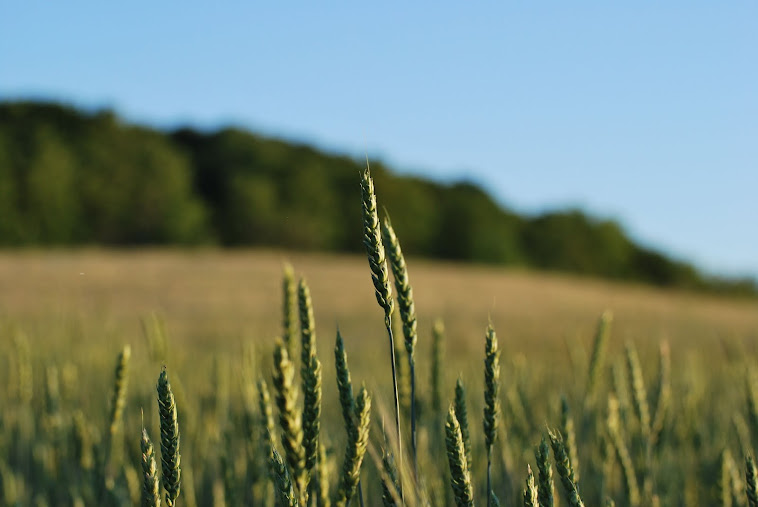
(70, 177)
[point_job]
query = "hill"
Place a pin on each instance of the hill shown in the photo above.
(69, 177)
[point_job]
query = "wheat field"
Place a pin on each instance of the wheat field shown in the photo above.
(72, 311)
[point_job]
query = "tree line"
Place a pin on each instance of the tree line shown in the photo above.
(69, 177)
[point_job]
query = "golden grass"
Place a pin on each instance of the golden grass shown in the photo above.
(207, 294)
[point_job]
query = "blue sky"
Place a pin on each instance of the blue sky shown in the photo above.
(640, 112)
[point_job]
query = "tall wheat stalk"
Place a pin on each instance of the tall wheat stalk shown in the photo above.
(377, 260)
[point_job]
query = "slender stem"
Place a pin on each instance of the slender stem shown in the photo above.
(412, 364)
(388, 325)
(489, 477)
(360, 494)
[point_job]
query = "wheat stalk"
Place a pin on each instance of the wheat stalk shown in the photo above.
(377, 260)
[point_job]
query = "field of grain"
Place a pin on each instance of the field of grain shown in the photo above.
(67, 314)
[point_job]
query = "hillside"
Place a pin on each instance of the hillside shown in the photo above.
(68, 177)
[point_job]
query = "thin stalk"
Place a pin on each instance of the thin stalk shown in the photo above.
(414, 447)
(388, 325)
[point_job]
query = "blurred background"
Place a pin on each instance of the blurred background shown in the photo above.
(543, 164)
(610, 141)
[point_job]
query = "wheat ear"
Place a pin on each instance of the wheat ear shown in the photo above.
(639, 394)
(266, 418)
(289, 310)
(344, 384)
(118, 399)
(355, 450)
(312, 412)
(170, 457)
(569, 440)
(461, 413)
(408, 317)
(289, 416)
(460, 477)
(751, 482)
(531, 495)
(491, 399)
(310, 370)
(390, 482)
(563, 464)
(546, 487)
(598, 353)
(285, 492)
(151, 493)
(322, 478)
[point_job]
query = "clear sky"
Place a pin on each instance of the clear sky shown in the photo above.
(646, 112)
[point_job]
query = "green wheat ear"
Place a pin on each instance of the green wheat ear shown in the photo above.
(460, 477)
(461, 413)
(289, 416)
(151, 494)
(289, 309)
(344, 384)
(170, 457)
(546, 487)
(312, 412)
(403, 286)
(565, 471)
(372, 240)
(357, 440)
(531, 496)
(118, 400)
(567, 428)
(751, 482)
(285, 491)
(491, 399)
(598, 352)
